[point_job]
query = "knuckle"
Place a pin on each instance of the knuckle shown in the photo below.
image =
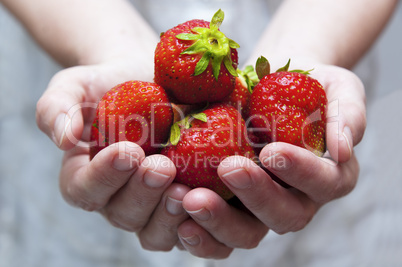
(122, 222)
(300, 224)
(252, 242)
(76, 195)
(258, 204)
(154, 244)
(108, 180)
(342, 188)
(294, 224)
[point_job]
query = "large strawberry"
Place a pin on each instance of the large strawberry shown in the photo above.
(133, 111)
(290, 106)
(196, 62)
(199, 142)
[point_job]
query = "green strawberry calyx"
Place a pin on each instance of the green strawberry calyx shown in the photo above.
(214, 46)
(249, 77)
(175, 130)
(263, 68)
(286, 68)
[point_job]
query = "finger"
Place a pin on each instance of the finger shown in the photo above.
(59, 110)
(346, 115)
(160, 234)
(225, 223)
(71, 99)
(280, 209)
(90, 184)
(320, 179)
(132, 207)
(200, 243)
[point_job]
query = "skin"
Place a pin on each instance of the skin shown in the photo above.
(135, 192)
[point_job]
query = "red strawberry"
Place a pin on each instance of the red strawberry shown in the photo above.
(133, 111)
(241, 95)
(195, 62)
(290, 107)
(201, 141)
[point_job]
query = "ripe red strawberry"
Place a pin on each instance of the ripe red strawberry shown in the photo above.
(290, 107)
(195, 62)
(133, 111)
(241, 95)
(201, 141)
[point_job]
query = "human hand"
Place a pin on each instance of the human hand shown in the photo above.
(216, 228)
(132, 191)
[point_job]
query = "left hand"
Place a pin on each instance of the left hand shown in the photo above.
(216, 228)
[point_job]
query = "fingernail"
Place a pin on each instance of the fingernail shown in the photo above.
(174, 206)
(63, 121)
(191, 240)
(155, 179)
(278, 161)
(238, 178)
(124, 162)
(347, 135)
(201, 214)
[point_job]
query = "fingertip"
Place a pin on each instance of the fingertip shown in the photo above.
(348, 140)
(66, 130)
(233, 163)
(128, 156)
(121, 156)
(200, 198)
(340, 145)
(60, 119)
(160, 164)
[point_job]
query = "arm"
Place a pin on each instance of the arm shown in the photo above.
(321, 34)
(330, 32)
(86, 32)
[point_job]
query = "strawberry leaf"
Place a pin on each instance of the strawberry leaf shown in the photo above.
(217, 20)
(249, 77)
(284, 68)
(306, 72)
(233, 44)
(200, 116)
(202, 64)
(216, 66)
(228, 64)
(187, 36)
(175, 134)
(262, 67)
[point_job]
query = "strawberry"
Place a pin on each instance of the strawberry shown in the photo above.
(290, 106)
(195, 62)
(241, 95)
(133, 111)
(200, 141)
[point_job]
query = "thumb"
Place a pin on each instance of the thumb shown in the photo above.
(59, 112)
(346, 118)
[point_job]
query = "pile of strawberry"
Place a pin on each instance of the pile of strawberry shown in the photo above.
(201, 108)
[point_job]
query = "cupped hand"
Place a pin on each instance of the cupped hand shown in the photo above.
(216, 228)
(133, 192)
